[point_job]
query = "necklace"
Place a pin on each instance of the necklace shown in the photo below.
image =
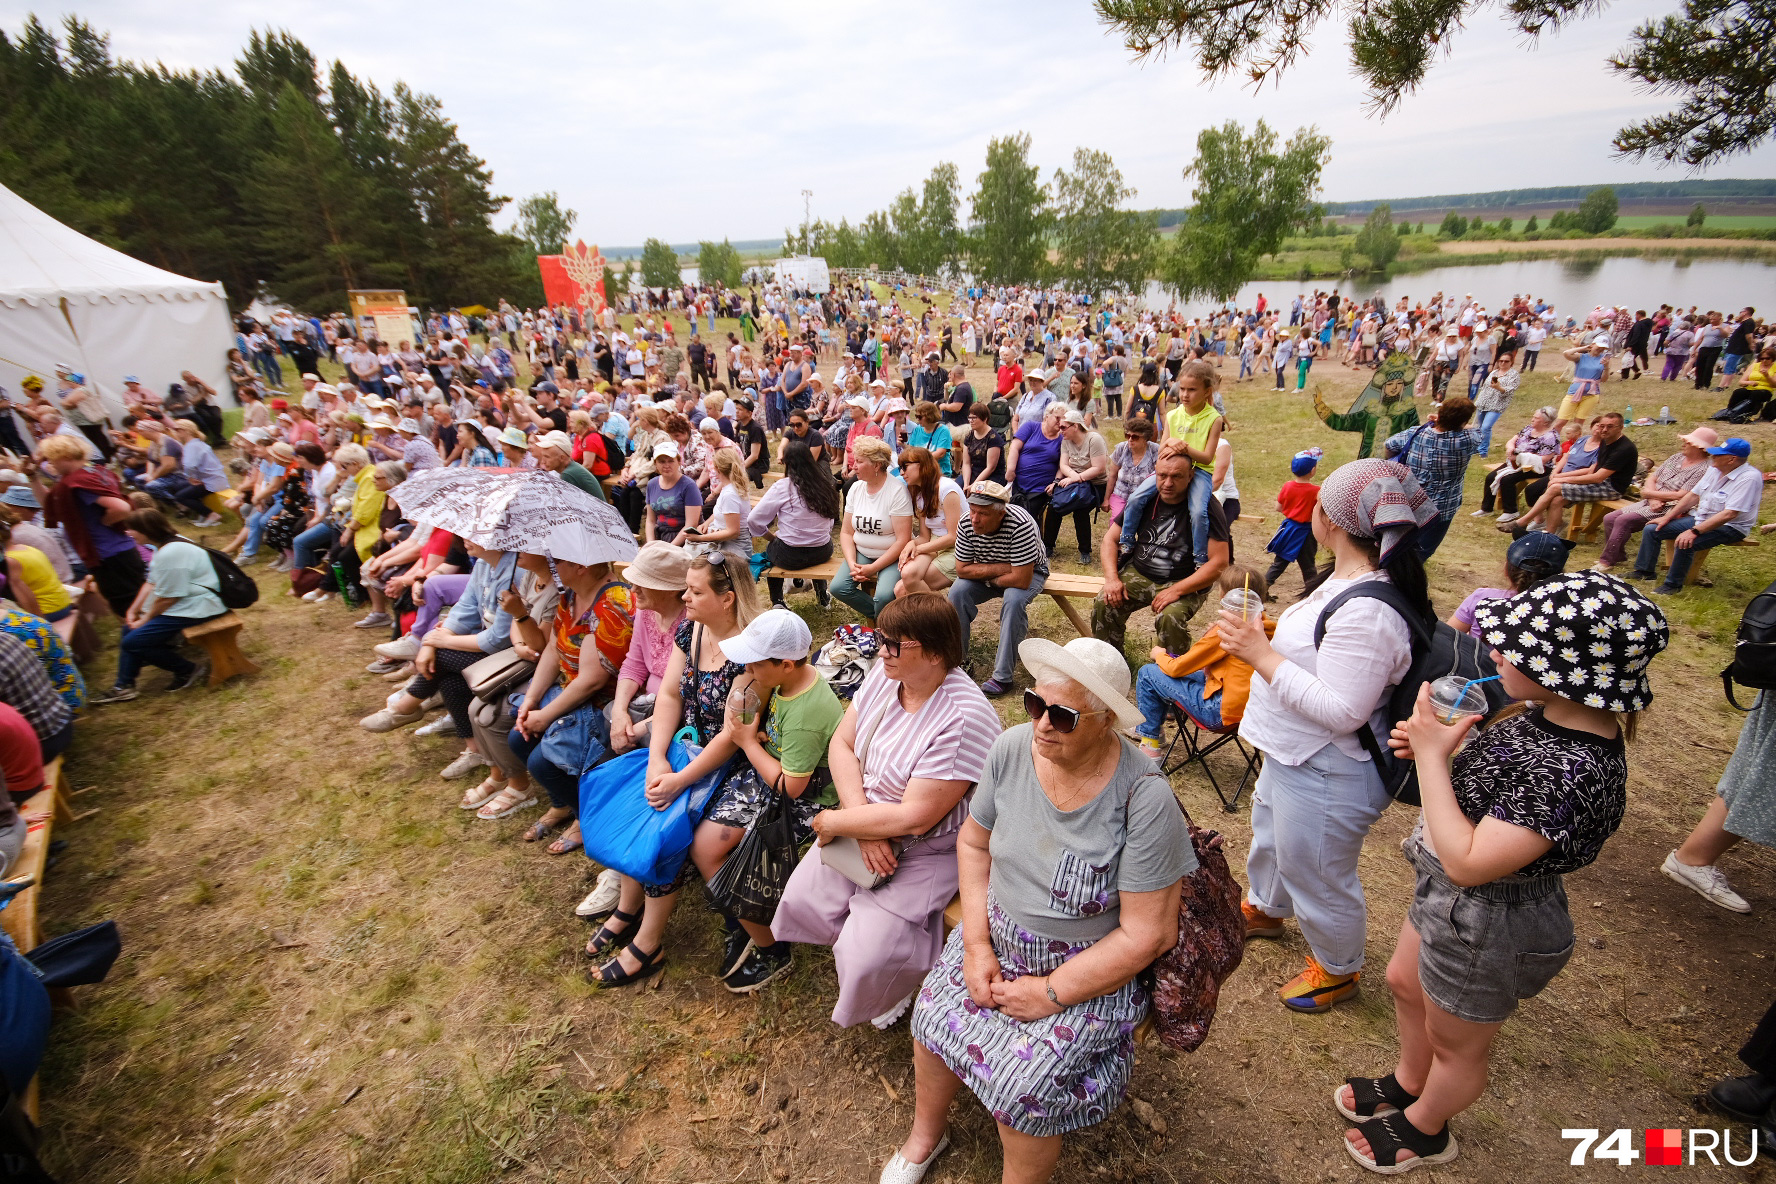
(1084, 783)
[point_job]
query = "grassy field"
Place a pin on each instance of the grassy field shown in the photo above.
(332, 975)
(1717, 221)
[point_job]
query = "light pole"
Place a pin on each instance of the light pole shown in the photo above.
(807, 205)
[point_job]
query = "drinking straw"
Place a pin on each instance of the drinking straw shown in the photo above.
(1248, 590)
(1474, 682)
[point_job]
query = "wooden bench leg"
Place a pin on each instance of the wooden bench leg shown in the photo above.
(1079, 622)
(226, 659)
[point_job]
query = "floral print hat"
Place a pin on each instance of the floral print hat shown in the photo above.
(1585, 636)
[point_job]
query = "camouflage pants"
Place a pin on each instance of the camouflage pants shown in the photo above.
(1171, 627)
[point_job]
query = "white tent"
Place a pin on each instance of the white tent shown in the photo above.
(66, 298)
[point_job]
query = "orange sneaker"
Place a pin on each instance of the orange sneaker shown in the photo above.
(1260, 923)
(1314, 989)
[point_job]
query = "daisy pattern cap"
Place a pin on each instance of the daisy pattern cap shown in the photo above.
(1586, 636)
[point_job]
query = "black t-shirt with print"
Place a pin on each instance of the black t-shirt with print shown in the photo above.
(963, 393)
(1165, 549)
(1569, 787)
(977, 448)
(1740, 341)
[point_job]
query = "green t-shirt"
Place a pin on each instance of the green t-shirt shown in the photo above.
(798, 730)
(1193, 429)
(578, 476)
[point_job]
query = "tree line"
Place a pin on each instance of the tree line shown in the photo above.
(274, 176)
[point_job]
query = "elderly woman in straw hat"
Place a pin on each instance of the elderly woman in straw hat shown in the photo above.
(1070, 866)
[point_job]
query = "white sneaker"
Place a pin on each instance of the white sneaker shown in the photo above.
(402, 649)
(462, 766)
(1504, 519)
(886, 1020)
(604, 895)
(211, 519)
(1707, 880)
(374, 620)
(387, 720)
(900, 1170)
(311, 597)
(437, 727)
(433, 703)
(1478, 514)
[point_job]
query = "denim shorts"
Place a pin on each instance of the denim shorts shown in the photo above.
(1483, 950)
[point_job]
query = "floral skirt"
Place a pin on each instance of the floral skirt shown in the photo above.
(1045, 1077)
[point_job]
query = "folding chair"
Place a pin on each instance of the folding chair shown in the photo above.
(1196, 751)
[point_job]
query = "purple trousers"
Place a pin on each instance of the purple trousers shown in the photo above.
(1673, 363)
(439, 593)
(884, 941)
(1618, 527)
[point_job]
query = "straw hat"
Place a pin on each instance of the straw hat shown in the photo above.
(1096, 665)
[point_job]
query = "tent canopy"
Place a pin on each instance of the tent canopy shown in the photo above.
(67, 298)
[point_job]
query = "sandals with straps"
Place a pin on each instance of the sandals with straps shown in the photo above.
(1390, 1134)
(478, 795)
(604, 939)
(1372, 1096)
(612, 974)
(505, 803)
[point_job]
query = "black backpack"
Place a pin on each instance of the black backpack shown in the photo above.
(1437, 649)
(1754, 653)
(234, 586)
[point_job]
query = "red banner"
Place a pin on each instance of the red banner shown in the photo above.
(576, 276)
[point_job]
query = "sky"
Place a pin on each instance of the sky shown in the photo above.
(685, 121)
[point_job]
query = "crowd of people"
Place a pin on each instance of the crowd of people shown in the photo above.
(841, 436)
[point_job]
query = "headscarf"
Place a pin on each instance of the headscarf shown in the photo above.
(1379, 500)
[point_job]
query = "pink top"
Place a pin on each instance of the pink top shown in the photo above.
(649, 649)
(947, 739)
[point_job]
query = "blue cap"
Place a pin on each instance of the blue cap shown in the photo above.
(1538, 552)
(19, 495)
(1737, 446)
(77, 379)
(131, 378)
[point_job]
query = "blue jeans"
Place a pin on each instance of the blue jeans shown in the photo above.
(1647, 562)
(1196, 503)
(314, 542)
(563, 787)
(167, 488)
(257, 521)
(155, 642)
(1476, 376)
(1431, 537)
(1487, 419)
(268, 366)
(968, 595)
(1154, 689)
(869, 604)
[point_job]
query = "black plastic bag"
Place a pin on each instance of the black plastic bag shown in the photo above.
(77, 959)
(751, 882)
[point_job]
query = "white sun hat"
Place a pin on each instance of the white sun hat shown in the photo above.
(1096, 665)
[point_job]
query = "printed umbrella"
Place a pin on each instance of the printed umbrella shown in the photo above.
(526, 510)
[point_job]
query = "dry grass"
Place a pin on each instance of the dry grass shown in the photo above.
(331, 974)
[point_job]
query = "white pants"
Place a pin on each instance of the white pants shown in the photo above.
(1308, 826)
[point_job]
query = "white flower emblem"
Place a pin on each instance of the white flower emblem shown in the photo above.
(1618, 705)
(1537, 663)
(1564, 634)
(1570, 656)
(1567, 612)
(1599, 650)
(1594, 700)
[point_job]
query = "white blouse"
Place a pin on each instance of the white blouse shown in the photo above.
(1321, 697)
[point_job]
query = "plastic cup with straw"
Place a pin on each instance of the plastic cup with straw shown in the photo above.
(1453, 696)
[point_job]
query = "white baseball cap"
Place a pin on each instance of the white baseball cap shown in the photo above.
(777, 635)
(555, 439)
(665, 448)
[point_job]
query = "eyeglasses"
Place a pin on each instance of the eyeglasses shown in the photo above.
(1062, 719)
(891, 646)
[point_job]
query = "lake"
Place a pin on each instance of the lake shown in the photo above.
(1572, 286)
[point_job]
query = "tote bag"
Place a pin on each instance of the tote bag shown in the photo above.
(622, 831)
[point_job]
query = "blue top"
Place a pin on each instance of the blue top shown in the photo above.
(478, 610)
(1039, 460)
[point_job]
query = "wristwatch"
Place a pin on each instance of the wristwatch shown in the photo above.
(1052, 997)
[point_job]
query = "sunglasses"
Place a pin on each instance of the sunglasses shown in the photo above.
(1061, 719)
(891, 646)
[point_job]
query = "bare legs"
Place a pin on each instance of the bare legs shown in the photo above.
(920, 574)
(1028, 1159)
(1711, 839)
(1442, 1058)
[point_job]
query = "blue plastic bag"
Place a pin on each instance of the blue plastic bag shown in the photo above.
(622, 831)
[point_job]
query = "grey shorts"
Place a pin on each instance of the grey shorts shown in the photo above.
(1599, 491)
(1484, 949)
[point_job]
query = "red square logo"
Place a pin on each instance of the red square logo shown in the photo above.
(1664, 1146)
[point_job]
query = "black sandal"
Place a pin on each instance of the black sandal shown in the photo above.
(612, 974)
(1372, 1096)
(604, 939)
(1390, 1134)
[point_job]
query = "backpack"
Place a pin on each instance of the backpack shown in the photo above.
(999, 413)
(1436, 650)
(234, 586)
(1754, 652)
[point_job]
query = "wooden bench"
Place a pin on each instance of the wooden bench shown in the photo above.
(220, 639)
(1701, 560)
(1588, 516)
(1063, 588)
(41, 811)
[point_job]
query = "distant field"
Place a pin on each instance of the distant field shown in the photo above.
(1716, 221)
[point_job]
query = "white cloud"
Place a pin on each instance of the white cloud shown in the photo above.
(685, 120)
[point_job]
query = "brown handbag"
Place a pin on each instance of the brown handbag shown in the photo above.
(1185, 981)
